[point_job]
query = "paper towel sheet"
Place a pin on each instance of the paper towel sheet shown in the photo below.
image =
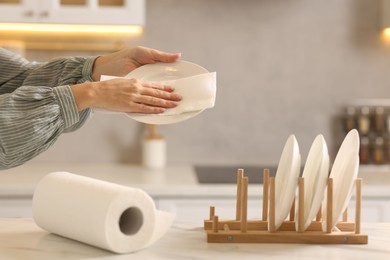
(102, 214)
(198, 92)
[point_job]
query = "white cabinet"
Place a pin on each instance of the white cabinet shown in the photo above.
(18, 11)
(107, 12)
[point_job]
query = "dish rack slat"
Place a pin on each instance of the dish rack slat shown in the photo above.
(242, 230)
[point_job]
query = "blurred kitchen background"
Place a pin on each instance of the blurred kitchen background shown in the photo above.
(302, 67)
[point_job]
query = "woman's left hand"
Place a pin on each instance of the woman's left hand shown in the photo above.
(120, 63)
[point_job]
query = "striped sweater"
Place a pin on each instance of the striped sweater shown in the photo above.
(37, 105)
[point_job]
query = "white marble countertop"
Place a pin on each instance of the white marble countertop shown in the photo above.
(22, 239)
(173, 181)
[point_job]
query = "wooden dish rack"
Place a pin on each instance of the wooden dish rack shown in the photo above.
(242, 230)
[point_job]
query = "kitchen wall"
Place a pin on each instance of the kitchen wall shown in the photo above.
(284, 67)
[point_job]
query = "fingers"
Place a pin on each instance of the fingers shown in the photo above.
(160, 91)
(156, 95)
(134, 96)
(145, 109)
(165, 56)
(153, 98)
(155, 102)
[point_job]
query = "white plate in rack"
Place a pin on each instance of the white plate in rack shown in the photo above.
(315, 174)
(344, 173)
(286, 180)
(165, 72)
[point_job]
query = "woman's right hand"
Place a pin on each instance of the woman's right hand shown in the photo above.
(125, 95)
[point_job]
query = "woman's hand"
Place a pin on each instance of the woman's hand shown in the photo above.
(125, 95)
(120, 63)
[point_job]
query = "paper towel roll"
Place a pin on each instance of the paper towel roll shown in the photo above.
(102, 214)
(154, 153)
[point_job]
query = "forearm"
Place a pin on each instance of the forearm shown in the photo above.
(17, 72)
(14, 70)
(65, 71)
(37, 104)
(31, 119)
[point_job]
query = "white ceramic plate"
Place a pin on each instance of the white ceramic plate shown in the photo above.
(286, 180)
(315, 175)
(344, 173)
(164, 72)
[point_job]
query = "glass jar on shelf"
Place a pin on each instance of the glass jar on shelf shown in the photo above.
(379, 120)
(350, 119)
(379, 150)
(364, 153)
(363, 121)
(387, 148)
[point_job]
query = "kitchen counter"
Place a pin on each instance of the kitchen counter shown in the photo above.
(176, 189)
(22, 239)
(173, 181)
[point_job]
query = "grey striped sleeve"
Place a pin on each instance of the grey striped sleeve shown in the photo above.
(37, 104)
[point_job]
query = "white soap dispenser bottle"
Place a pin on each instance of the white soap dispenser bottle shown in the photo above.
(153, 149)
